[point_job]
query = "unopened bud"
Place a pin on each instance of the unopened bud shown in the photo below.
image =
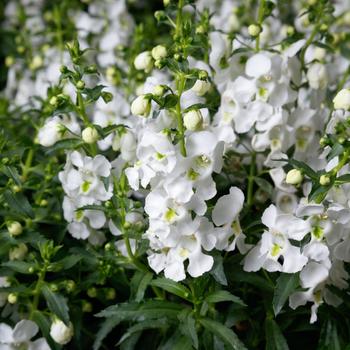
(294, 177)
(193, 120)
(342, 99)
(89, 135)
(159, 52)
(14, 228)
(254, 30)
(141, 106)
(324, 180)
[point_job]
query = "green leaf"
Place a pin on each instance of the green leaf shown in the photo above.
(11, 172)
(65, 144)
(222, 332)
(19, 203)
(264, 185)
(177, 342)
(274, 337)
(318, 192)
(139, 283)
(139, 327)
(170, 101)
(329, 339)
(342, 179)
(224, 295)
(65, 263)
(218, 271)
(285, 286)
(56, 303)
(19, 266)
(188, 327)
(172, 287)
(336, 150)
(106, 327)
(195, 106)
(151, 309)
(93, 94)
(94, 207)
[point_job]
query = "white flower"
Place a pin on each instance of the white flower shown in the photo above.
(82, 177)
(89, 135)
(159, 52)
(143, 61)
(55, 129)
(193, 120)
(60, 333)
(317, 76)
(275, 243)
(141, 106)
(51, 132)
(342, 99)
(18, 338)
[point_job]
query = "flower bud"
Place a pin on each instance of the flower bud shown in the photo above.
(9, 61)
(14, 228)
(254, 30)
(19, 252)
(158, 90)
(12, 298)
(60, 333)
(89, 135)
(36, 62)
(159, 52)
(201, 87)
(166, 3)
(294, 177)
(324, 180)
(193, 120)
(53, 101)
(141, 106)
(144, 61)
(80, 84)
(342, 99)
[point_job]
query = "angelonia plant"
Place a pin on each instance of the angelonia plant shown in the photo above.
(175, 175)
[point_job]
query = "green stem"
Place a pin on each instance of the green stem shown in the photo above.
(180, 87)
(251, 181)
(343, 161)
(307, 44)
(81, 109)
(260, 20)
(27, 164)
(36, 292)
(178, 31)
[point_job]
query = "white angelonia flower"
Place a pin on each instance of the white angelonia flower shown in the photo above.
(82, 177)
(275, 244)
(61, 333)
(317, 76)
(184, 244)
(57, 128)
(226, 214)
(143, 61)
(156, 155)
(18, 338)
(342, 99)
